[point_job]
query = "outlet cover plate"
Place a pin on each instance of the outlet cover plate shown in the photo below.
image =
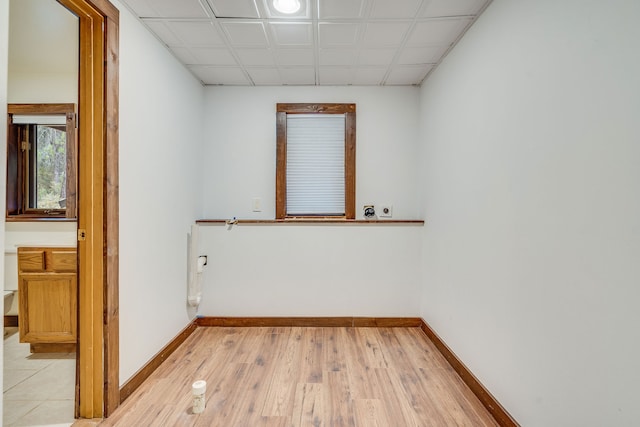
(385, 211)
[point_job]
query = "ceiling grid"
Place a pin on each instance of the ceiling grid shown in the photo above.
(329, 42)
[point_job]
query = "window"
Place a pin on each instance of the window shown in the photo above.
(316, 152)
(41, 163)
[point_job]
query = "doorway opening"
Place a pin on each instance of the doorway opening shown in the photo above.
(40, 281)
(97, 383)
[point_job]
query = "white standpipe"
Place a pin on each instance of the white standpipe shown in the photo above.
(196, 266)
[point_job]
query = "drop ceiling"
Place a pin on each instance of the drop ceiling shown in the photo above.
(330, 42)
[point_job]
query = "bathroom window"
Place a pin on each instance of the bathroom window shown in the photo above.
(41, 162)
(315, 173)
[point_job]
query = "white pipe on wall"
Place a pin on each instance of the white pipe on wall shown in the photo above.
(196, 264)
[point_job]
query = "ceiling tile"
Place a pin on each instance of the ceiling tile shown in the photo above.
(162, 31)
(255, 56)
(337, 56)
(167, 8)
(395, 9)
(421, 55)
(369, 76)
(385, 34)
(196, 33)
(213, 56)
(234, 8)
(437, 8)
(407, 75)
(438, 32)
(142, 8)
(246, 33)
(265, 76)
(376, 56)
(335, 76)
(184, 55)
(340, 9)
(286, 57)
(337, 34)
(220, 75)
(292, 33)
(298, 76)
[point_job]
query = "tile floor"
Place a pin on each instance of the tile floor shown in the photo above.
(38, 388)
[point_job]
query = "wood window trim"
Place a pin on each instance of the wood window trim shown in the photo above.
(349, 110)
(17, 207)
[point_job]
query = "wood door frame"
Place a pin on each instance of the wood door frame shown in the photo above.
(97, 381)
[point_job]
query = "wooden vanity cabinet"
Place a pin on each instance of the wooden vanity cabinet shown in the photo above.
(47, 286)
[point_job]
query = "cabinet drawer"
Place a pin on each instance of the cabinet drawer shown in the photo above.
(31, 260)
(63, 261)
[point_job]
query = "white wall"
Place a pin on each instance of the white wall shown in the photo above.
(43, 53)
(161, 120)
(239, 158)
(531, 191)
(318, 270)
(302, 270)
(4, 54)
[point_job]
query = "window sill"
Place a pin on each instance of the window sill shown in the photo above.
(312, 221)
(28, 218)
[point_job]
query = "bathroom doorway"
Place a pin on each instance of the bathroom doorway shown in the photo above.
(97, 392)
(40, 372)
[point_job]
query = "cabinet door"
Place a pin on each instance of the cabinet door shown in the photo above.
(48, 308)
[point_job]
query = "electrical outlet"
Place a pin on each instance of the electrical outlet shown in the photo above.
(256, 204)
(385, 211)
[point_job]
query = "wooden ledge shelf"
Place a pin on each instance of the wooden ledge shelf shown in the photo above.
(341, 221)
(27, 218)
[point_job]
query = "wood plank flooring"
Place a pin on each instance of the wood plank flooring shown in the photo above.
(304, 376)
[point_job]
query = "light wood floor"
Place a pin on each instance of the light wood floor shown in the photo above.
(305, 377)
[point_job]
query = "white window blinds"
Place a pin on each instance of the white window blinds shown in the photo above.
(315, 164)
(32, 119)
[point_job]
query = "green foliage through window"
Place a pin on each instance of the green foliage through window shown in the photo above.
(50, 168)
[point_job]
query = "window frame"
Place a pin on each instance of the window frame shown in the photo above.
(17, 203)
(284, 109)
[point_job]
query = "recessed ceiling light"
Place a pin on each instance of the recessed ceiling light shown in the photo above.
(287, 6)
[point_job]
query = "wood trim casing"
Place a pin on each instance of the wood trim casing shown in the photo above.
(350, 164)
(71, 208)
(349, 110)
(281, 164)
(315, 108)
(111, 214)
(107, 10)
(143, 373)
(327, 322)
(90, 214)
(97, 366)
(41, 108)
(497, 411)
